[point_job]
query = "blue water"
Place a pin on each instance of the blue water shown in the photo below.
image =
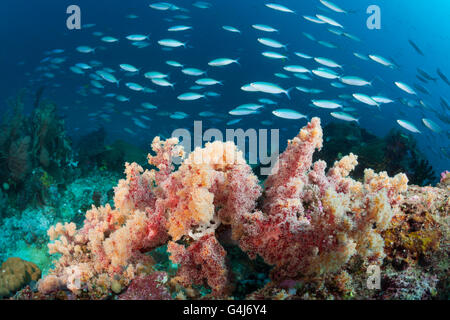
(27, 31)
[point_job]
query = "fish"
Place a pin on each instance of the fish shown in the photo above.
(178, 115)
(108, 77)
(425, 75)
(381, 99)
(381, 60)
(162, 6)
(179, 28)
(281, 75)
(248, 88)
(190, 96)
(155, 75)
(263, 27)
(415, 47)
(234, 121)
(139, 123)
(296, 69)
(206, 114)
(355, 81)
(85, 49)
(338, 85)
(202, 5)
(83, 66)
(309, 36)
(332, 6)
(109, 39)
(149, 106)
(266, 101)
(306, 90)
(242, 112)
(129, 131)
(430, 124)
(174, 64)
(288, 114)
(122, 98)
(273, 55)
(408, 126)
(231, 29)
(360, 56)
(329, 21)
(442, 76)
(88, 25)
(314, 19)
(335, 31)
(365, 99)
(421, 78)
(162, 82)
(302, 76)
(128, 68)
(420, 88)
(141, 44)
(325, 73)
(444, 103)
(193, 72)
(327, 62)
(351, 37)
(137, 37)
(98, 85)
(344, 116)
(279, 7)
(302, 55)
(220, 62)
(326, 104)
(208, 82)
(271, 43)
(171, 43)
(149, 90)
(76, 70)
(327, 44)
(403, 86)
(268, 87)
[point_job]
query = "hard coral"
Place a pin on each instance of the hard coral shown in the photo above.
(16, 273)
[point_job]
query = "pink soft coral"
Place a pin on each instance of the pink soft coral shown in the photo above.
(310, 222)
(203, 261)
(314, 222)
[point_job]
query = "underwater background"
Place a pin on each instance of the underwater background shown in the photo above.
(81, 128)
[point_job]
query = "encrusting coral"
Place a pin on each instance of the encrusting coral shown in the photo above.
(309, 222)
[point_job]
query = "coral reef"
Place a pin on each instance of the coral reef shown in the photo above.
(319, 230)
(24, 233)
(92, 152)
(314, 223)
(151, 287)
(15, 273)
(35, 152)
(395, 153)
